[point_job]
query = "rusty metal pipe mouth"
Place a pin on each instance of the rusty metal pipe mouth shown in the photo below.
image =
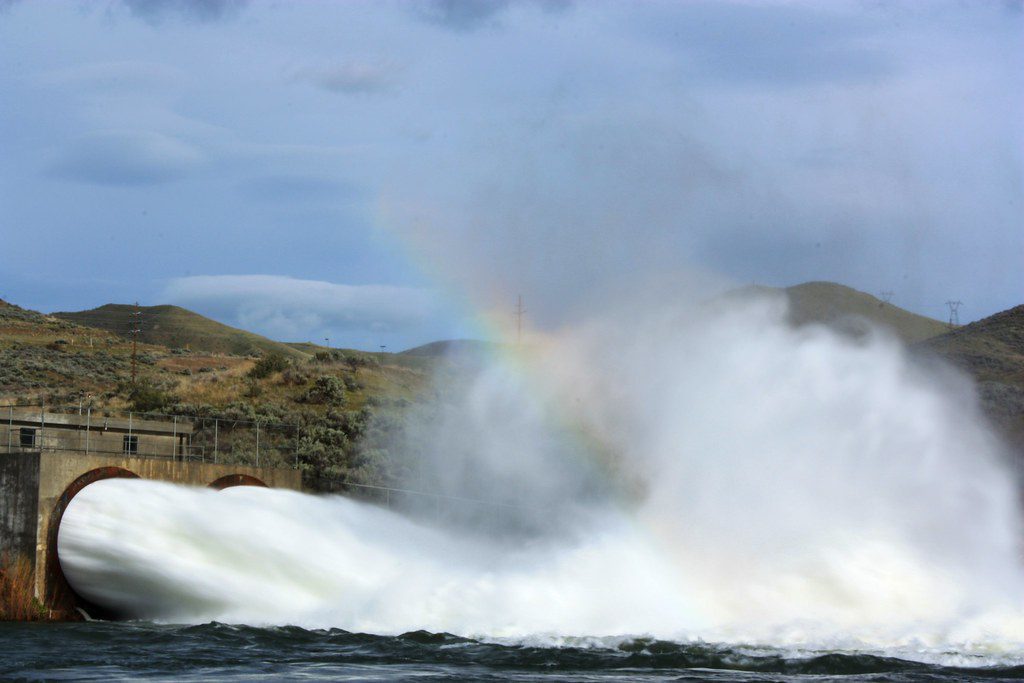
(230, 480)
(58, 593)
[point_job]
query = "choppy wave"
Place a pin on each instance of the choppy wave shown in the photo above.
(97, 651)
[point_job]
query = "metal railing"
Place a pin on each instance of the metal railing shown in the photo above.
(217, 439)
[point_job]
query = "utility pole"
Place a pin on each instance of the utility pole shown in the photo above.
(519, 313)
(136, 328)
(381, 358)
(954, 313)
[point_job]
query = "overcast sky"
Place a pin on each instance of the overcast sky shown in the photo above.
(373, 172)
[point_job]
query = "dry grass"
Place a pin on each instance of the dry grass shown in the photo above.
(17, 592)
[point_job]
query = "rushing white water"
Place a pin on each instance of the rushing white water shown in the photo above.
(776, 486)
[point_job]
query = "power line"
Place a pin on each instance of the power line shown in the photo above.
(519, 313)
(954, 313)
(135, 330)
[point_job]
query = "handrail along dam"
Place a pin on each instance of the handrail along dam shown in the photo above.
(51, 457)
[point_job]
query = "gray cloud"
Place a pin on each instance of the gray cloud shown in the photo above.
(461, 15)
(289, 308)
(155, 11)
(470, 15)
(120, 157)
(774, 43)
(559, 159)
(352, 77)
(151, 78)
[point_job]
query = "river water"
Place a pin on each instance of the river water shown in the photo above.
(117, 651)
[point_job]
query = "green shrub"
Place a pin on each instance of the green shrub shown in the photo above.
(268, 365)
(252, 388)
(326, 389)
(147, 397)
(295, 376)
(354, 362)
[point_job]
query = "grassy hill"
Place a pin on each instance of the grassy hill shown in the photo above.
(847, 309)
(179, 328)
(51, 359)
(40, 354)
(308, 348)
(19, 324)
(347, 404)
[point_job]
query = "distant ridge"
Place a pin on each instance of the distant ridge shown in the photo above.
(177, 327)
(451, 347)
(845, 308)
(21, 324)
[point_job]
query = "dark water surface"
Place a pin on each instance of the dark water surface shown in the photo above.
(113, 651)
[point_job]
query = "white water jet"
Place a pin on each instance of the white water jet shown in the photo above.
(787, 487)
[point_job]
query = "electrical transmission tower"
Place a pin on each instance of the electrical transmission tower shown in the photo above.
(519, 313)
(135, 329)
(886, 296)
(954, 313)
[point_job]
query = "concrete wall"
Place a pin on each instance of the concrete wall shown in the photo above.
(19, 504)
(88, 432)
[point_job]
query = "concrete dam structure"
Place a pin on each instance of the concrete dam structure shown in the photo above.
(47, 463)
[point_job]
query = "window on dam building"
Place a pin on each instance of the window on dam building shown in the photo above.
(27, 437)
(131, 444)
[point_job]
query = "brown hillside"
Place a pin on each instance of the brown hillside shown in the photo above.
(179, 328)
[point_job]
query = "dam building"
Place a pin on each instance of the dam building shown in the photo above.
(46, 458)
